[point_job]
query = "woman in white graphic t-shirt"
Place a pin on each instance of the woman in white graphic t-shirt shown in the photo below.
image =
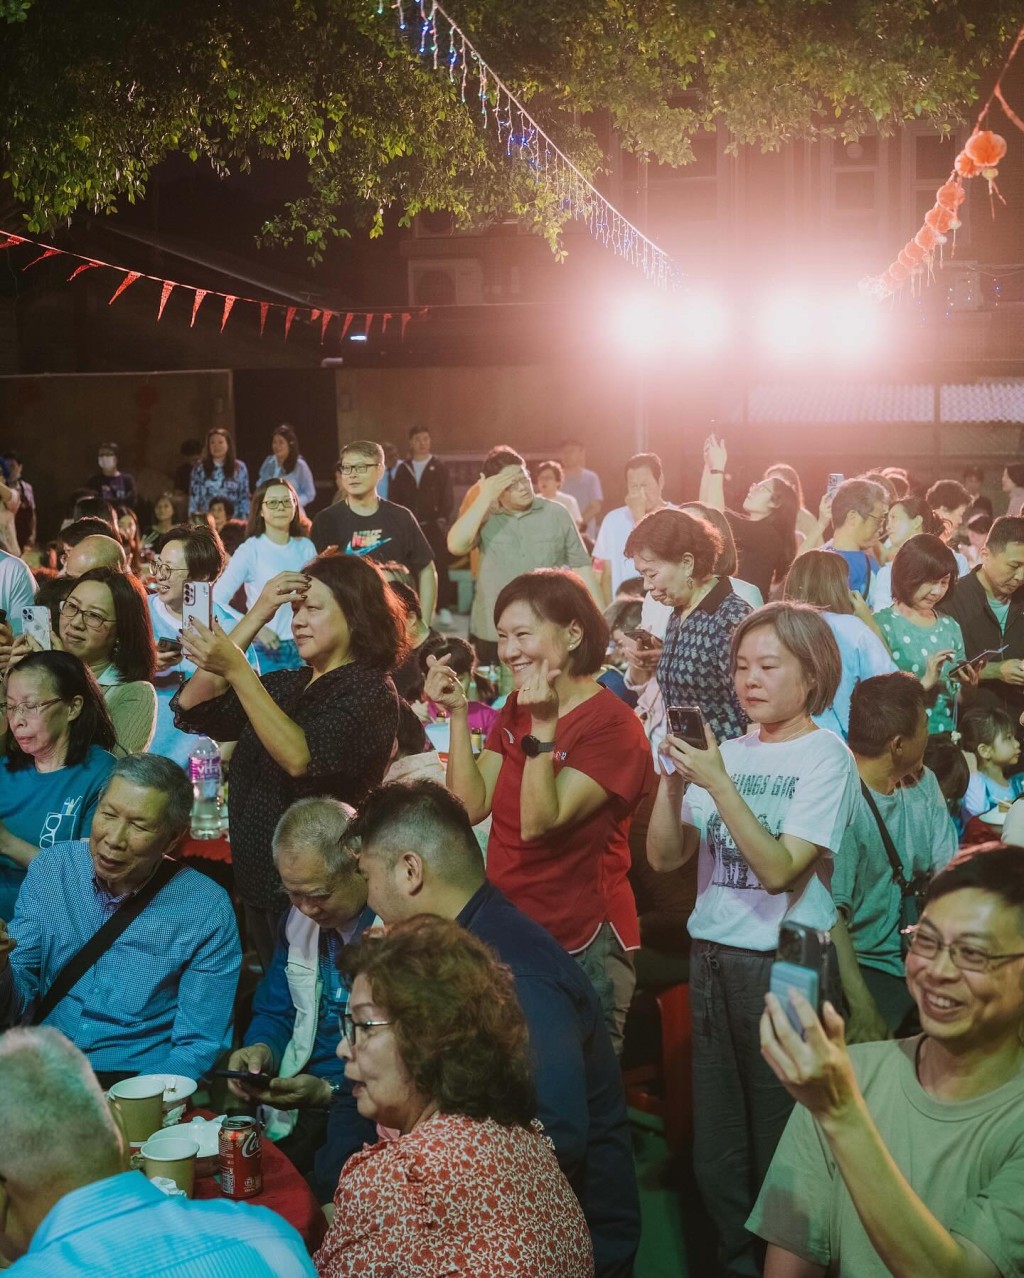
(764, 813)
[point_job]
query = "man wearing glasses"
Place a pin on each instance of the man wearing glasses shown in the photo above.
(860, 509)
(907, 1157)
(363, 524)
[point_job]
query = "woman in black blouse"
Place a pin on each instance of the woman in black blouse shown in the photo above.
(327, 728)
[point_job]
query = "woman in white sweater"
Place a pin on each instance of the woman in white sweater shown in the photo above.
(275, 542)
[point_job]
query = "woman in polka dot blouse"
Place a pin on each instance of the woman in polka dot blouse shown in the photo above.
(922, 641)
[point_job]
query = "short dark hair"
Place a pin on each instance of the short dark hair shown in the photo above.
(856, 495)
(257, 525)
(498, 458)
(88, 526)
(999, 872)
(920, 559)
(226, 502)
(650, 461)
(411, 735)
(726, 563)
(205, 557)
(457, 1022)
(109, 447)
(945, 758)
(558, 595)
(948, 493)
(70, 678)
(134, 656)
(883, 707)
(980, 523)
(807, 635)
(671, 534)
(1004, 532)
(418, 430)
(554, 467)
(982, 724)
(428, 817)
(460, 654)
(375, 618)
(1016, 472)
(363, 448)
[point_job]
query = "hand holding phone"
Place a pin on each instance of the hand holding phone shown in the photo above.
(687, 723)
(977, 662)
(804, 962)
(36, 623)
(642, 638)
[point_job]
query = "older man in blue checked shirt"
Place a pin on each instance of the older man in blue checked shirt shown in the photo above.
(68, 1207)
(160, 998)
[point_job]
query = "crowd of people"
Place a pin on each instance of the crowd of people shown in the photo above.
(676, 729)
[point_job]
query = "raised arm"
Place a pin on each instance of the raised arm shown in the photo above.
(712, 480)
(471, 779)
(671, 842)
(463, 533)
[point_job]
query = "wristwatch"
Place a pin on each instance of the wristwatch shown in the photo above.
(532, 746)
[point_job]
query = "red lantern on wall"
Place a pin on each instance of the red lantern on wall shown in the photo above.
(950, 196)
(926, 239)
(985, 149)
(939, 219)
(965, 166)
(898, 271)
(914, 251)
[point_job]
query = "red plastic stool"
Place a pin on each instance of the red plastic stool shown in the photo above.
(666, 1091)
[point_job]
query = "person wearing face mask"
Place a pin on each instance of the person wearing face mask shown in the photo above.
(219, 473)
(765, 814)
(516, 531)
(988, 605)
(275, 541)
(923, 641)
(906, 1158)
(561, 773)
(644, 484)
(109, 482)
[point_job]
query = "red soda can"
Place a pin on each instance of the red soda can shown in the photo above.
(241, 1157)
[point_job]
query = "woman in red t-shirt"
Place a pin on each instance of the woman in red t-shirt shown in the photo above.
(561, 773)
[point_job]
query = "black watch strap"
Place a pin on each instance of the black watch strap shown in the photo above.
(532, 746)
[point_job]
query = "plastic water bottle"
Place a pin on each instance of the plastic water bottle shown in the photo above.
(204, 770)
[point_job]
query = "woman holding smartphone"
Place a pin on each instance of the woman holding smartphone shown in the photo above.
(763, 813)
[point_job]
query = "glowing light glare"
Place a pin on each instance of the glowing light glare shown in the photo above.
(855, 327)
(637, 324)
(788, 324)
(703, 322)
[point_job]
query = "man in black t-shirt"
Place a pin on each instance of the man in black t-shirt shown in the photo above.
(363, 524)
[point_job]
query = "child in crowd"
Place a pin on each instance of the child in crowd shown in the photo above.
(989, 735)
(462, 661)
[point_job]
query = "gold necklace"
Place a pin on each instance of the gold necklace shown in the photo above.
(801, 730)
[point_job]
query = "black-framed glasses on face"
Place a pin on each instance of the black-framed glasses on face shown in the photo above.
(278, 503)
(968, 958)
(357, 468)
(92, 619)
(350, 1027)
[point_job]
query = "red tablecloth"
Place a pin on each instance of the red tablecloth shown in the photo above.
(210, 849)
(978, 831)
(284, 1191)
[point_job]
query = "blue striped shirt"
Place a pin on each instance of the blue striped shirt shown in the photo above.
(160, 999)
(125, 1225)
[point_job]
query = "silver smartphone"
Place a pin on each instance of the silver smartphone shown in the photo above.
(197, 604)
(36, 622)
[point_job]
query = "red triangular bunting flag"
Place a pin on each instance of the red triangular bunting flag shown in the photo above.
(264, 308)
(384, 322)
(346, 324)
(327, 317)
(197, 301)
(50, 252)
(86, 266)
(289, 315)
(165, 293)
(406, 317)
(369, 322)
(127, 282)
(9, 240)
(228, 303)
(314, 315)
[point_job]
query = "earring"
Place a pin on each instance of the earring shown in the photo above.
(689, 582)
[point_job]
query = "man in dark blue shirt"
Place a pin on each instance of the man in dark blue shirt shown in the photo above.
(418, 853)
(294, 1032)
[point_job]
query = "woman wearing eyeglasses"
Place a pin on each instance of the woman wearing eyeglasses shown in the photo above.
(58, 742)
(184, 553)
(907, 1157)
(436, 1049)
(219, 473)
(275, 542)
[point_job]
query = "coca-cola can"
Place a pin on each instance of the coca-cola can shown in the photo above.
(241, 1157)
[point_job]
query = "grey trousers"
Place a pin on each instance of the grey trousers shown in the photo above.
(611, 972)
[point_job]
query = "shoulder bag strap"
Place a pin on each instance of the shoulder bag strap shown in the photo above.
(101, 941)
(899, 878)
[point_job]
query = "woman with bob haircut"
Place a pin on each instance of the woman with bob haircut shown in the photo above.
(906, 1157)
(325, 729)
(219, 473)
(763, 813)
(285, 462)
(436, 1047)
(105, 621)
(561, 774)
(276, 540)
(823, 580)
(922, 641)
(58, 742)
(677, 556)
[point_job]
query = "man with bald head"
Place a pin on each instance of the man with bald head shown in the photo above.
(68, 1206)
(95, 552)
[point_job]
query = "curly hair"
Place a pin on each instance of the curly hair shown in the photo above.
(453, 1007)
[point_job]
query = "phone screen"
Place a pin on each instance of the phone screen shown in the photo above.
(792, 976)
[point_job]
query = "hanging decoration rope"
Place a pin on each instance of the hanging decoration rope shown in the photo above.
(431, 35)
(980, 157)
(365, 320)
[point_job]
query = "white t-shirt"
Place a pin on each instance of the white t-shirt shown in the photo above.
(253, 564)
(807, 788)
(418, 467)
(571, 505)
(611, 543)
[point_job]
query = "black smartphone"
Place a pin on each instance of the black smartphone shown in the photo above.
(804, 962)
(168, 645)
(641, 637)
(261, 1081)
(687, 723)
(987, 655)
